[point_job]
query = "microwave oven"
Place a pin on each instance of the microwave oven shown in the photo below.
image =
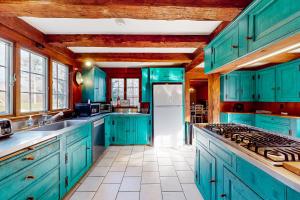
(86, 109)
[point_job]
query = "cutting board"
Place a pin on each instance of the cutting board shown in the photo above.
(293, 167)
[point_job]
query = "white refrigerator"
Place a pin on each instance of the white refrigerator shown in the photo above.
(168, 124)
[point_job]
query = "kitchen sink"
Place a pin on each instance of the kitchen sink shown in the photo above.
(58, 125)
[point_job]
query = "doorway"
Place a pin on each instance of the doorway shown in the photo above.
(198, 100)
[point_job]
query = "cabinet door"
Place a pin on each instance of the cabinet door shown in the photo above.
(247, 86)
(78, 160)
(225, 49)
(96, 86)
(265, 85)
(107, 125)
(231, 87)
(271, 20)
(131, 126)
(208, 61)
(167, 74)
(145, 85)
(234, 189)
(121, 130)
(288, 82)
(207, 174)
(102, 86)
(292, 194)
(88, 86)
(142, 130)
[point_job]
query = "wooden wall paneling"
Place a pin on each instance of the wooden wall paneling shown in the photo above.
(17, 82)
(196, 73)
(214, 98)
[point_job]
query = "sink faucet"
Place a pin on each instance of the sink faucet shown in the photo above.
(47, 120)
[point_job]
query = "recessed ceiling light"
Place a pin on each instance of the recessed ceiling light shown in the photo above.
(88, 63)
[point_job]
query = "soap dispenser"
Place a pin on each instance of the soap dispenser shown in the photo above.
(30, 121)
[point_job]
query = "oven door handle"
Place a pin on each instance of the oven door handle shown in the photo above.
(98, 123)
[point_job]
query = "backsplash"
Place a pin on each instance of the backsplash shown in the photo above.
(274, 107)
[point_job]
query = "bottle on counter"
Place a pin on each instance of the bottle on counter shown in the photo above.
(30, 121)
(118, 101)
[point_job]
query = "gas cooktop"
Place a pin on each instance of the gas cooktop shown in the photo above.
(273, 147)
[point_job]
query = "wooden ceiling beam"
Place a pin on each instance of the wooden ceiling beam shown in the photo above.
(134, 57)
(199, 53)
(89, 40)
(219, 10)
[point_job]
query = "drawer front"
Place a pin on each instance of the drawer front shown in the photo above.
(262, 183)
(14, 184)
(17, 163)
(47, 188)
(78, 134)
(222, 153)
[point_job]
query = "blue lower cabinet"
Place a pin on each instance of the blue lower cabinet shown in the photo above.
(292, 194)
(107, 125)
(238, 118)
(234, 189)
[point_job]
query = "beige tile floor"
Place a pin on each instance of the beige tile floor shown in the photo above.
(140, 173)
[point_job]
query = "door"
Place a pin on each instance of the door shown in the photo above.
(247, 86)
(234, 189)
(226, 48)
(271, 20)
(168, 114)
(288, 82)
(231, 87)
(78, 160)
(266, 85)
(207, 174)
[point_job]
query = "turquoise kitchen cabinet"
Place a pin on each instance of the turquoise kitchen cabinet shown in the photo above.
(208, 61)
(225, 49)
(238, 86)
(235, 189)
(167, 74)
(275, 124)
(206, 173)
(272, 20)
(292, 194)
(130, 129)
(266, 85)
(145, 85)
(94, 85)
(239, 118)
(107, 125)
(288, 82)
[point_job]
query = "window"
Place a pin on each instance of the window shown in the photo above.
(60, 86)
(132, 91)
(5, 77)
(117, 88)
(33, 82)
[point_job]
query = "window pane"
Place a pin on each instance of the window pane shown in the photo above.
(37, 83)
(132, 89)
(117, 88)
(61, 101)
(60, 87)
(2, 102)
(24, 82)
(54, 69)
(24, 60)
(25, 107)
(37, 102)
(2, 79)
(37, 64)
(54, 101)
(62, 72)
(54, 86)
(2, 54)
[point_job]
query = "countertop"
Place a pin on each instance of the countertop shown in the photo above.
(288, 178)
(276, 115)
(23, 139)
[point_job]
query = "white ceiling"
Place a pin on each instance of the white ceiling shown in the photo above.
(130, 50)
(132, 64)
(121, 26)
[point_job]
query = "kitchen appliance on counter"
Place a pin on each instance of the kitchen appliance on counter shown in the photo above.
(105, 108)
(168, 121)
(98, 138)
(5, 128)
(275, 148)
(87, 109)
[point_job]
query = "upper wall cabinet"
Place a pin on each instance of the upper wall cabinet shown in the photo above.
(271, 20)
(262, 23)
(238, 86)
(167, 74)
(288, 82)
(145, 85)
(265, 85)
(94, 85)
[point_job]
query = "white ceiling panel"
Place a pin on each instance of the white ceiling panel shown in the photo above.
(130, 50)
(121, 26)
(132, 64)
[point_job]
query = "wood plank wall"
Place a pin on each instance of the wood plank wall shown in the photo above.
(214, 98)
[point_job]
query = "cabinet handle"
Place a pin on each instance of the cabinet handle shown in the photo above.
(30, 198)
(235, 46)
(212, 181)
(30, 177)
(88, 148)
(278, 88)
(223, 195)
(31, 148)
(30, 157)
(249, 37)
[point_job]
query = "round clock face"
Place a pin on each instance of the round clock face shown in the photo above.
(79, 79)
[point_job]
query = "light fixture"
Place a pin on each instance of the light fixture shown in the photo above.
(270, 55)
(88, 63)
(78, 78)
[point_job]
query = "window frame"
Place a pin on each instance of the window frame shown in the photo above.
(46, 107)
(9, 75)
(124, 96)
(57, 79)
(134, 97)
(125, 88)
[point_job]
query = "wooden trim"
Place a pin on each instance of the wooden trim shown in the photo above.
(17, 84)
(24, 116)
(50, 84)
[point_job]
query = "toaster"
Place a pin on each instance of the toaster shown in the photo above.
(5, 128)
